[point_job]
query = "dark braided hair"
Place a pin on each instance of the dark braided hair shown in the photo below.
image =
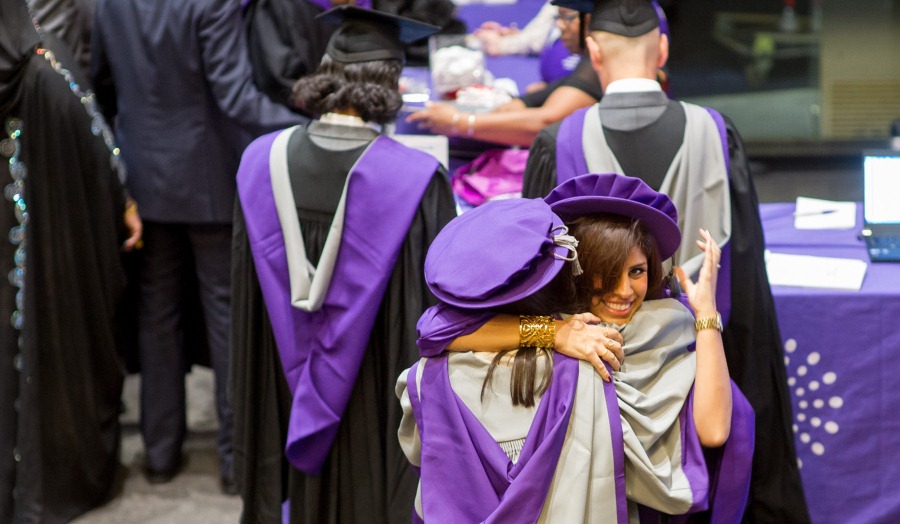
(369, 88)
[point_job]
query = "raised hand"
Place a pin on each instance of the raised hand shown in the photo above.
(702, 294)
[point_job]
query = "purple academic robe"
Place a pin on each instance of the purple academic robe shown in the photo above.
(321, 350)
(504, 492)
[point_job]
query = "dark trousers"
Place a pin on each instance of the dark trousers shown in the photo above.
(172, 251)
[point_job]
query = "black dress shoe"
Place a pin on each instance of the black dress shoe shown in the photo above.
(160, 476)
(229, 486)
(163, 476)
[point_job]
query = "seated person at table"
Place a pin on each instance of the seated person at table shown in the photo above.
(537, 436)
(518, 123)
(498, 40)
(329, 244)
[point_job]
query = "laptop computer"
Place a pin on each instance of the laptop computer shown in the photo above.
(881, 205)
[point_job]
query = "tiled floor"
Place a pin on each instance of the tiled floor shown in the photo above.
(193, 497)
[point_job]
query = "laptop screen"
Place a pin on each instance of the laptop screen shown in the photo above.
(881, 187)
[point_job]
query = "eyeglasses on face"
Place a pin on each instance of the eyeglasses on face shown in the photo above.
(566, 18)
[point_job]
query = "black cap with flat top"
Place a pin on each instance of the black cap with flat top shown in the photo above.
(364, 35)
(622, 17)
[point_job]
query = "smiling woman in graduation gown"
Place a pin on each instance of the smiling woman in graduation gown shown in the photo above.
(315, 353)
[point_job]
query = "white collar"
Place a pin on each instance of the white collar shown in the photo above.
(632, 85)
(348, 120)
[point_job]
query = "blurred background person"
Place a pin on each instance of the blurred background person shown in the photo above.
(519, 121)
(70, 21)
(286, 41)
(63, 217)
(175, 79)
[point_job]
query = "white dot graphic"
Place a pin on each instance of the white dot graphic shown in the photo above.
(809, 385)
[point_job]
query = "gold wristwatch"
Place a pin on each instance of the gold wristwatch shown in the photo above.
(709, 323)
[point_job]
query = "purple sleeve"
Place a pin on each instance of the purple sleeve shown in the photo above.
(441, 324)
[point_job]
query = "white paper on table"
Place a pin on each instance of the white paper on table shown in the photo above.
(435, 145)
(813, 213)
(809, 271)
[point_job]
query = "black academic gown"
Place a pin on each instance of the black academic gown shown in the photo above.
(366, 477)
(285, 42)
(751, 339)
(60, 376)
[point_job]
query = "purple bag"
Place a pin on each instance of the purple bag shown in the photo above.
(494, 174)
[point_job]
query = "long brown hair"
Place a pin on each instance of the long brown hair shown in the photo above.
(604, 241)
(525, 384)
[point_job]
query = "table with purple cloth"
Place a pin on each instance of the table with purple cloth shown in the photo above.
(842, 352)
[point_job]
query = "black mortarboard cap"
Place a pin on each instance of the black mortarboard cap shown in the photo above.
(622, 17)
(364, 35)
(583, 6)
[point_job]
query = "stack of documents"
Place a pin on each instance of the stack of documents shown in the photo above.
(810, 271)
(813, 213)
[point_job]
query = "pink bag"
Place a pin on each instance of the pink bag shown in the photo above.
(494, 174)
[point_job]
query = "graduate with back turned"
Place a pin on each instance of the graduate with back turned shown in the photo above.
(333, 223)
(696, 157)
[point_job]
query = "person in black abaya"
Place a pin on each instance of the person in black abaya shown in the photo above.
(62, 229)
(342, 462)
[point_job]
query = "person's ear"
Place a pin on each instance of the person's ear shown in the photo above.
(663, 51)
(594, 52)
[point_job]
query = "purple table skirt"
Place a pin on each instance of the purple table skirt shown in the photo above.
(842, 352)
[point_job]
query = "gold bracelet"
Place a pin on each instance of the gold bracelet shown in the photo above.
(470, 132)
(130, 207)
(537, 331)
(709, 323)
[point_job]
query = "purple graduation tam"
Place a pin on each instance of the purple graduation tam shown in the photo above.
(619, 195)
(365, 35)
(497, 253)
